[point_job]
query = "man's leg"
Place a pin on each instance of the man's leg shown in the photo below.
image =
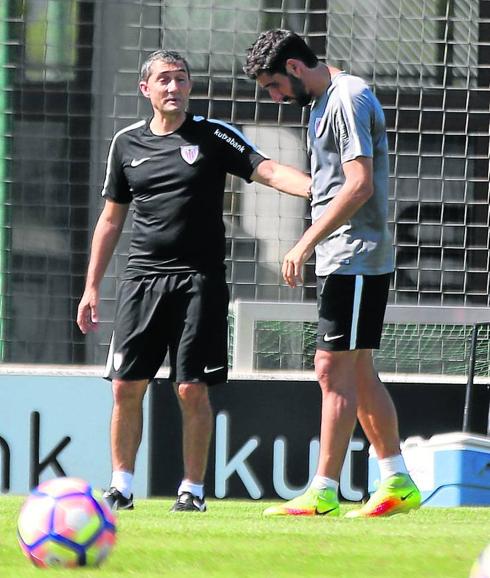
(126, 423)
(376, 411)
(197, 427)
(335, 372)
(377, 415)
(126, 432)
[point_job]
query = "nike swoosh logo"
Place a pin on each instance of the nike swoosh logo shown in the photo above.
(137, 163)
(325, 512)
(332, 338)
(403, 498)
(213, 369)
(198, 506)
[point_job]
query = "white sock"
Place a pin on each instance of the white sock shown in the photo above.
(322, 482)
(195, 489)
(122, 481)
(390, 466)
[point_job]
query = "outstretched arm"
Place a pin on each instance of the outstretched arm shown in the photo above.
(104, 241)
(283, 178)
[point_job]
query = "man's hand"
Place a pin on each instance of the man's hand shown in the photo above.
(292, 266)
(87, 317)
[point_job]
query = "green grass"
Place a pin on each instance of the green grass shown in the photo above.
(233, 540)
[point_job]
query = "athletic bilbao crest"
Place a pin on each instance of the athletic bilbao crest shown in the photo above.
(189, 153)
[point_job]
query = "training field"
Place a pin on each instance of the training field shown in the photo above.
(233, 540)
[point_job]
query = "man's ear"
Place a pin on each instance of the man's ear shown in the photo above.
(294, 67)
(144, 89)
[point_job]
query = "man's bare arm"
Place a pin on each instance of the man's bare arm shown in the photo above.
(104, 241)
(283, 178)
(356, 190)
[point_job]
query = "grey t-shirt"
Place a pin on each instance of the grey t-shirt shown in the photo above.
(345, 123)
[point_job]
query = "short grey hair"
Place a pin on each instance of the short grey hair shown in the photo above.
(169, 56)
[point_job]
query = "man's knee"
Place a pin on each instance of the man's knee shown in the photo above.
(128, 392)
(193, 395)
(333, 367)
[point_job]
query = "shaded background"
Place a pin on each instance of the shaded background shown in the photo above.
(68, 78)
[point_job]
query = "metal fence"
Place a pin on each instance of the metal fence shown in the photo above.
(69, 71)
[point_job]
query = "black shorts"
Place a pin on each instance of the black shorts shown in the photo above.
(185, 314)
(351, 311)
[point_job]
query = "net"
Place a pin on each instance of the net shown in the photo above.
(406, 348)
(69, 76)
(433, 343)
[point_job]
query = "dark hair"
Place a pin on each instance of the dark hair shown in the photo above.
(164, 55)
(273, 48)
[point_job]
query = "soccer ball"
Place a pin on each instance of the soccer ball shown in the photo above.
(62, 524)
(481, 567)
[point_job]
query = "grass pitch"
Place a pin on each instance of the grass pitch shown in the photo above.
(233, 540)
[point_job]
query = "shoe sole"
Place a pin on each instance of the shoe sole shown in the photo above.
(115, 506)
(119, 509)
(386, 514)
(301, 512)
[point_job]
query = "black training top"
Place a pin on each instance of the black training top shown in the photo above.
(176, 183)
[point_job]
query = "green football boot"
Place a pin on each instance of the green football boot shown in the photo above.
(396, 495)
(312, 503)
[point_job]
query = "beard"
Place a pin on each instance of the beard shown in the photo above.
(300, 96)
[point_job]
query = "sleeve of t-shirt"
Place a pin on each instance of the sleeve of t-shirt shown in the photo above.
(239, 156)
(116, 187)
(354, 120)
